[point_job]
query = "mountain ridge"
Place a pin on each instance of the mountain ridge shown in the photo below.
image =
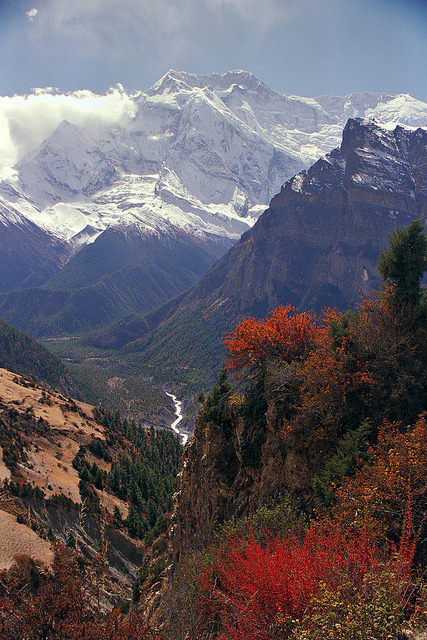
(218, 148)
(190, 171)
(315, 246)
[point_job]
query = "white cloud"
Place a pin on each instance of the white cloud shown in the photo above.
(32, 14)
(25, 121)
(8, 174)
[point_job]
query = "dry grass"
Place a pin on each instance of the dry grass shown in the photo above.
(50, 457)
(57, 414)
(4, 471)
(19, 539)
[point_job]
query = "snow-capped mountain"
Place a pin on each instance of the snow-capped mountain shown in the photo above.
(196, 163)
(205, 153)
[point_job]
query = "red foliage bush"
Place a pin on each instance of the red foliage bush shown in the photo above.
(39, 604)
(251, 586)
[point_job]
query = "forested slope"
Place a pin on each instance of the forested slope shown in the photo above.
(310, 468)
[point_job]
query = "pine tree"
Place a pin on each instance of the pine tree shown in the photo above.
(403, 262)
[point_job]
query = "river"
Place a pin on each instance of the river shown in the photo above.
(179, 417)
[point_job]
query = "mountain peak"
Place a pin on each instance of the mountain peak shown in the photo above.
(204, 154)
(178, 80)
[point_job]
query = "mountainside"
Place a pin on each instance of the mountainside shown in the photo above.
(28, 255)
(122, 272)
(316, 245)
(23, 355)
(318, 242)
(73, 474)
(318, 453)
(42, 435)
(198, 160)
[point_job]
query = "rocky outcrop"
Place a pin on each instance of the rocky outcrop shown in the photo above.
(216, 485)
(318, 242)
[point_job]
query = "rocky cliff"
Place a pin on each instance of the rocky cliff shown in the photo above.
(215, 486)
(318, 242)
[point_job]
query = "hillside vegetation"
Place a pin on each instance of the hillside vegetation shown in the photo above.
(77, 476)
(24, 355)
(311, 469)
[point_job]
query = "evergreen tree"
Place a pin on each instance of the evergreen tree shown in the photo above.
(71, 541)
(403, 262)
(117, 516)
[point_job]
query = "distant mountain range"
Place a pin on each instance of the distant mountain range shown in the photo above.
(102, 221)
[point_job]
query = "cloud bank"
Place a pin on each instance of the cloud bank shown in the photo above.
(25, 121)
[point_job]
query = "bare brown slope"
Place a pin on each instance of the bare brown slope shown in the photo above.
(41, 432)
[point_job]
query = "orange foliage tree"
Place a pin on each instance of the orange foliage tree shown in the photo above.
(282, 336)
(380, 489)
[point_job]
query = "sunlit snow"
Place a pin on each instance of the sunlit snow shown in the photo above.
(204, 154)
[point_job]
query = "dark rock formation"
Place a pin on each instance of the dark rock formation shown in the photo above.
(318, 242)
(215, 486)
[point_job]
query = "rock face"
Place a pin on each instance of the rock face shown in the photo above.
(214, 486)
(318, 242)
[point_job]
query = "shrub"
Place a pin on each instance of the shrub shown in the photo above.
(273, 519)
(261, 590)
(35, 604)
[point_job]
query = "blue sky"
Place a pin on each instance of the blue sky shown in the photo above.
(303, 47)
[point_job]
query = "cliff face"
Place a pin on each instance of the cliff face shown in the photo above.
(216, 484)
(318, 242)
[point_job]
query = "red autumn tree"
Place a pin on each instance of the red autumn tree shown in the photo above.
(283, 336)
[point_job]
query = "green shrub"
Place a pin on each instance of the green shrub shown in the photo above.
(350, 449)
